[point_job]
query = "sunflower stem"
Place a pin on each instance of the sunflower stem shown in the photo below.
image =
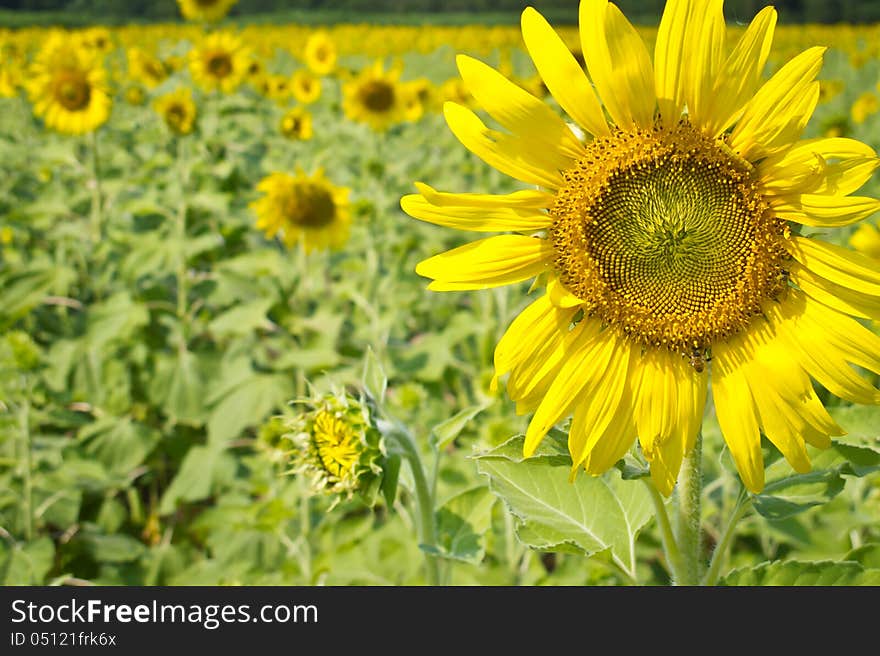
(97, 216)
(690, 489)
(180, 225)
(719, 556)
(425, 503)
(667, 535)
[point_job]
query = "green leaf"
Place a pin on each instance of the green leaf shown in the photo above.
(819, 573)
(374, 379)
(868, 556)
(119, 444)
(178, 388)
(248, 404)
(117, 318)
(242, 319)
(461, 524)
(202, 470)
(26, 563)
(117, 548)
(390, 478)
(589, 516)
(445, 432)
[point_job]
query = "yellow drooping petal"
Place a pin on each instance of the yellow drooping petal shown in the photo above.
(741, 74)
(562, 74)
(516, 109)
(535, 326)
(737, 414)
(840, 298)
(480, 219)
(820, 210)
(490, 262)
(837, 264)
(618, 62)
(508, 153)
(779, 111)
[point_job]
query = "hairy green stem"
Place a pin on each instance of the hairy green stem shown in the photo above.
(425, 503)
(743, 503)
(690, 489)
(670, 546)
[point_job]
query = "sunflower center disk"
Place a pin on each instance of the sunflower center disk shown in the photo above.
(73, 91)
(335, 444)
(219, 64)
(309, 206)
(377, 96)
(663, 234)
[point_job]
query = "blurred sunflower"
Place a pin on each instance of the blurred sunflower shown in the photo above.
(68, 87)
(864, 106)
(301, 209)
(374, 97)
(663, 238)
(296, 124)
(219, 62)
(178, 110)
(135, 94)
(866, 240)
(306, 87)
(320, 53)
(146, 68)
(205, 10)
(97, 39)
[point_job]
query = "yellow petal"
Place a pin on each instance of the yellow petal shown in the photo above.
(669, 59)
(516, 109)
(837, 264)
(825, 166)
(487, 263)
(562, 74)
(705, 54)
(823, 211)
(835, 296)
(479, 219)
(524, 199)
(736, 412)
(741, 74)
(779, 111)
(509, 154)
(618, 62)
(533, 327)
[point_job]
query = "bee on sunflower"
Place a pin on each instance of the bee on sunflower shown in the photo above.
(68, 86)
(664, 231)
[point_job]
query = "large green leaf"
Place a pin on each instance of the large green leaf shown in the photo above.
(461, 524)
(589, 516)
(242, 319)
(178, 388)
(26, 563)
(203, 469)
(804, 573)
(119, 444)
(248, 404)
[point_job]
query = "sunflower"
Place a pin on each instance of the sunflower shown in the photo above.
(866, 240)
(320, 53)
(301, 209)
(68, 87)
(178, 110)
(146, 68)
(865, 105)
(374, 97)
(135, 95)
(306, 87)
(666, 239)
(220, 62)
(296, 124)
(205, 10)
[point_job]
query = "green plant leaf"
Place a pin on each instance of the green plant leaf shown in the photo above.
(26, 563)
(590, 515)
(374, 379)
(445, 432)
(119, 444)
(461, 524)
(178, 388)
(804, 573)
(248, 404)
(868, 556)
(242, 319)
(202, 470)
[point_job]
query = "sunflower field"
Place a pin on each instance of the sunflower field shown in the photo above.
(234, 351)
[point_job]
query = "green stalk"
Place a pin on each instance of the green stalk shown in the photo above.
(743, 503)
(670, 546)
(690, 488)
(24, 424)
(180, 225)
(97, 217)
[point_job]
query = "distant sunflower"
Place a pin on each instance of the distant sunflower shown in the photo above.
(178, 110)
(205, 10)
(306, 88)
(135, 95)
(296, 124)
(301, 209)
(866, 240)
(68, 87)
(320, 53)
(664, 240)
(374, 97)
(219, 62)
(146, 68)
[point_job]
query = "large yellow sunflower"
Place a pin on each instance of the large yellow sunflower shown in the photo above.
(205, 10)
(303, 209)
(374, 97)
(68, 87)
(220, 62)
(664, 227)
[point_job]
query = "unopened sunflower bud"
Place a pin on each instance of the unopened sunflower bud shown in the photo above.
(337, 447)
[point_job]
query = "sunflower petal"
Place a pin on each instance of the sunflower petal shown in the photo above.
(837, 264)
(524, 199)
(509, 154)
(835, 296)
(705, 54)
(822, 166)
(490, 262)
(823, 211)
(479, 219)
(741, 74)
(669, 59)
(562, 74)
(618, 62)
